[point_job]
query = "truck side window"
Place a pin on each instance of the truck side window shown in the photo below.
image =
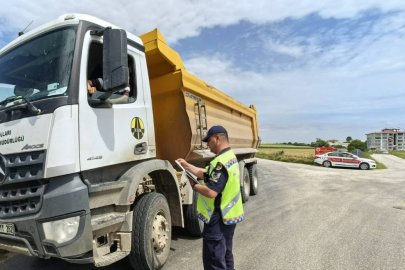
(95, 75)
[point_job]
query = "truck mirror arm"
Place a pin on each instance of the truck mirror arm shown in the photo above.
(99, 33)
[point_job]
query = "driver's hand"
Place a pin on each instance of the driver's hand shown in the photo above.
(91, 90)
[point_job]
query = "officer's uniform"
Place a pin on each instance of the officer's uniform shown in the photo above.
(221, 214)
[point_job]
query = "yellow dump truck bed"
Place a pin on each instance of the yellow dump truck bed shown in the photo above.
(184, 107)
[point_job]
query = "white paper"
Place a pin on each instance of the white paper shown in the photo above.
(188, 174)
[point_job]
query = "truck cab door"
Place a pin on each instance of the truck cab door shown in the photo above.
(115, 134)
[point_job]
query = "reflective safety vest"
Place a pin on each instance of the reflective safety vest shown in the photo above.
(231, 201)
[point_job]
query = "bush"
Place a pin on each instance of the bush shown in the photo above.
(357, 144)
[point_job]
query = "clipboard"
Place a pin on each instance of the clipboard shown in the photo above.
(188, 174)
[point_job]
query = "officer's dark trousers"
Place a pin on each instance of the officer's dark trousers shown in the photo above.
(217, 244)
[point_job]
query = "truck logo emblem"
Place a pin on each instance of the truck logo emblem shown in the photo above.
(137, 128)
(33, 146)
(2, 169)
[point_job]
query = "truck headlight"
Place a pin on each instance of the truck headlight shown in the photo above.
(63, 230)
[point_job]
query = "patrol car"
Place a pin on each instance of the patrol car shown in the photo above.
(336, 159)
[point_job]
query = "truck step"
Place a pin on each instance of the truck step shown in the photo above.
(111, 258)
(14, 246)
(107, 220)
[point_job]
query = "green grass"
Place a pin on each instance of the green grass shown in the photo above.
(368, 155)
(400, 154)
(281, 156)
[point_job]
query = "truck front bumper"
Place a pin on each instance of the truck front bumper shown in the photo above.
(64, 196)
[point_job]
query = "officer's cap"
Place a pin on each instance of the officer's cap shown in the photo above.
(215, 130)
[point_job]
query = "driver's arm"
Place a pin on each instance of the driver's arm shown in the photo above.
(90, 87)
(94, 85)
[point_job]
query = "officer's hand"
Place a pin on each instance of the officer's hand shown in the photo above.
(183, 163)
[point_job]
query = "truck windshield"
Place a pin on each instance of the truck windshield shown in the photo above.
(37, 69)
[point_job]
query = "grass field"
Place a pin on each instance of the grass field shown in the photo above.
(400, 154)
(282, 146)
(287, 153)
(290, 151)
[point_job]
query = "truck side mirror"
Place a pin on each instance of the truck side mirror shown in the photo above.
(115, 60)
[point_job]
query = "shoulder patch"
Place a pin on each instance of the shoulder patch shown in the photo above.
(215, 177)
(219, 166)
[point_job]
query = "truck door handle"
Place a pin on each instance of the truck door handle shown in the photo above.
(141, 148)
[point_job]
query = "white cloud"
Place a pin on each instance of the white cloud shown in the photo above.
(288, 49)
(182, 18)
(352, 85)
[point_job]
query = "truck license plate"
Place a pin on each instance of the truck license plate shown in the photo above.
(7, 228)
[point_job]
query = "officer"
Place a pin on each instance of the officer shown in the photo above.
(219, 202)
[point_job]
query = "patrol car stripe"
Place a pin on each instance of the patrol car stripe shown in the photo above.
(206, 206)
(231, 204)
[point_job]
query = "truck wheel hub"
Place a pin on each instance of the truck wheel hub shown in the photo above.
(160, 233)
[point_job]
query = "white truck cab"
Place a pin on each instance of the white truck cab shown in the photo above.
(79, 177)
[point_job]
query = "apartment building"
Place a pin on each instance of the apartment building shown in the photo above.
(386, 139)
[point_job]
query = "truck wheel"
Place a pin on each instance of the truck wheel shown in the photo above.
(151, 232)
(245, 188)
(254, 180)
(192, 223)
(364, 166)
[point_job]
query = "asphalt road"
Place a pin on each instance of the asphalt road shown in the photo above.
(392, 162)
(304, 217)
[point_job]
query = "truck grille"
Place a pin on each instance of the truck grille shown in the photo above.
(20, 191)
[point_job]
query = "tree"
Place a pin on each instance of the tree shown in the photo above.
(339, 146)
(357, 144)
(349, 139)
(321, 143)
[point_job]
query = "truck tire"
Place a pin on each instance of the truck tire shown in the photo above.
(192, 223)
(254, 180)
(245, 188)
(151, 232)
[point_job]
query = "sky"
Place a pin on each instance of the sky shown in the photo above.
(314, 69)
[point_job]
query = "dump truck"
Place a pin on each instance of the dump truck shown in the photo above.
(92, 179)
